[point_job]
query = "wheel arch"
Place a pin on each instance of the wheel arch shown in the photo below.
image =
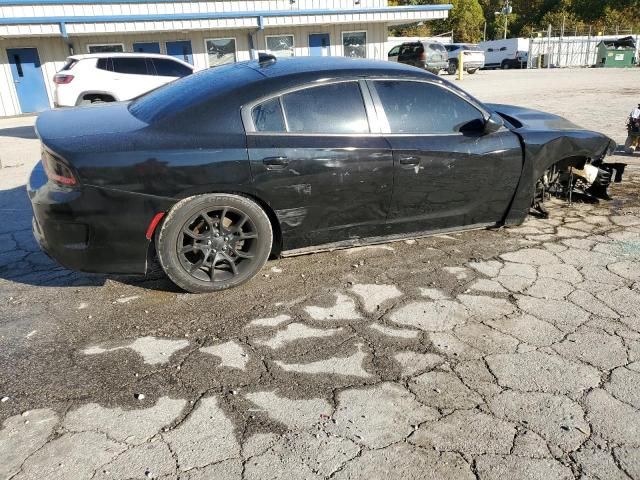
(96, 92)
(277, 244)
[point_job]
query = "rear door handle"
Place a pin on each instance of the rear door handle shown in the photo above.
(275, 162)
(409, 160)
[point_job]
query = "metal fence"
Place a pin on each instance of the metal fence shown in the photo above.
(554, 48)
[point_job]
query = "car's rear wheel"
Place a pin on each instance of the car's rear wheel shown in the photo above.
(453, 68)
(212, 242)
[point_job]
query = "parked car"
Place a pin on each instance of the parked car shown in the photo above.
(506, 54)
(430, 56)
(111, 77)
(473, 57)
(288, 156)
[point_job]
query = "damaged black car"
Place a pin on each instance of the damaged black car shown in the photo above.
(218, 171)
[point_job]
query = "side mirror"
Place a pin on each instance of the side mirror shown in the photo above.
(493, 123)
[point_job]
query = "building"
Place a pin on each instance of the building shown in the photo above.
(37, 35)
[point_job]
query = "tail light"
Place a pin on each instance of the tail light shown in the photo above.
(423, 57)
(57, 171)
(62, 78)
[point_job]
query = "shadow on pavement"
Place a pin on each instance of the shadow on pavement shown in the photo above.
(22, 261)
(27, 132)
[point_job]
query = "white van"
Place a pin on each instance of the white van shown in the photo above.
(505, 54)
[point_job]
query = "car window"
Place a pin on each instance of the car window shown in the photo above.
(335, 108)
(490, 50)
(503, 49)
(436, 47)
(104, 64)
(394, 51)
(419, 107)
(268, 117)
(70, 63)
(409, 50)
(169, 68)
(129, 66)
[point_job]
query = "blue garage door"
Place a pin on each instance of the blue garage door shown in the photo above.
(27, 77)
(319, 45)
(146, 47)
(181, 49)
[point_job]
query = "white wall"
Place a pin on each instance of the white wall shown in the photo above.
(53, 51)
(99, 9)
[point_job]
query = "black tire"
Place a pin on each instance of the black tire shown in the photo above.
(471, 71)
(506, 65)
(212, 242)
(453, 68)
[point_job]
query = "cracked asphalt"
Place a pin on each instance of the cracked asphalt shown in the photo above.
(491, 354)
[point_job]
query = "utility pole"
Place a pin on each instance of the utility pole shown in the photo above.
(506, 17)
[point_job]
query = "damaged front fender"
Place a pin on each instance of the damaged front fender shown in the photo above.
(564, 147)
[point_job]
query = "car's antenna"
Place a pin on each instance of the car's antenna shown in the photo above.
(265, 59)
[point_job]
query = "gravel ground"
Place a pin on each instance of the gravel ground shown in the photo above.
(487, 354)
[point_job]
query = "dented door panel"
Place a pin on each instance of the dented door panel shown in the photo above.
(443, 181)
(322, 188)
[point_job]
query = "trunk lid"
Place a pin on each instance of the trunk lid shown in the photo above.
(70, 123)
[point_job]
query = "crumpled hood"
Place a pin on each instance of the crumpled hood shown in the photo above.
(534, 119)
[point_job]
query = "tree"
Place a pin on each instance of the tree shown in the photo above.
(466, 19)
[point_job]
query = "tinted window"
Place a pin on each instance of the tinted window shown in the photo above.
(336, 108)
(436, 47)
(413, 107)
(69, 64)
(411, 50)
(394, 51)
(267, 117)
(105, 48)
(131, 66)
(169, 68)
(104, 64)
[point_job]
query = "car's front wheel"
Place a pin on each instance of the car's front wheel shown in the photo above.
(453, 68)
(212, 242)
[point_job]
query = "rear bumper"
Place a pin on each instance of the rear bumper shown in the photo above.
(92, 229)
(473, 65)
(436, 65)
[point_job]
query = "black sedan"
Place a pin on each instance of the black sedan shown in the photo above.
(215, 172)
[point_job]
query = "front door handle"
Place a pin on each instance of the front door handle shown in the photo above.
(275, 162)
(409, 160)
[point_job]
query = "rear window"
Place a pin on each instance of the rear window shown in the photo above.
(436, 47)
(191, 91)
(69, 64)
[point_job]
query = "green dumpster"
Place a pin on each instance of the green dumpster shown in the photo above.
(619, 53)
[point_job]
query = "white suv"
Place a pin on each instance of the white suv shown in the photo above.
(112, 77)
(473, 57)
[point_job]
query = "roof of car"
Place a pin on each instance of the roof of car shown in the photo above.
(126, 55)
(333, 67)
